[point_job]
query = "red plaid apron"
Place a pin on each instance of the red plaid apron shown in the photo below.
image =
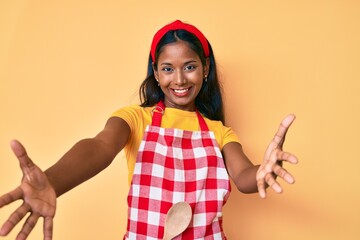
(176, 165)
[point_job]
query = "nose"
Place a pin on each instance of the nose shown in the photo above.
(180, 78)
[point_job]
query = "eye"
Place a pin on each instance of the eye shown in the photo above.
(167, 69)
(190, 67)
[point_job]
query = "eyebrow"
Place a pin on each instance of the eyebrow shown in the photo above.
(191, 61)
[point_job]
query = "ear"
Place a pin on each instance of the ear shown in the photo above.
(156, 73)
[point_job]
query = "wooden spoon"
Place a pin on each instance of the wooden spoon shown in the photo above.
(177, 220)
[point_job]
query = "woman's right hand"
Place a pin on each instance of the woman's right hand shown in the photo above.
(39, 198)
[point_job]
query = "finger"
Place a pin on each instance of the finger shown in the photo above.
(25, 162)
(280, 135)
(10, 197)
(261, 187)
(27, 227)
(281, 172)
(286, 156)
(270, 180)
(48, 228)
(14, 219)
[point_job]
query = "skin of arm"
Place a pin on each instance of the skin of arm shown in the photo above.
(39, 189)
(249, 178)
(88, 157)
(241, 170)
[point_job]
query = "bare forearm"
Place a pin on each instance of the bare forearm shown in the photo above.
(241, 169)
(246, 180)
(84, 160)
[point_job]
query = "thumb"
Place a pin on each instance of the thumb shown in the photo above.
(21, 154)
(283, 129)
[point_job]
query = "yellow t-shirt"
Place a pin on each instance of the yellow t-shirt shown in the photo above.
(138, 118)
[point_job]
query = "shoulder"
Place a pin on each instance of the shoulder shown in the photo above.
(134, 110)
(134, 115)
(223, 134)
(215, 125)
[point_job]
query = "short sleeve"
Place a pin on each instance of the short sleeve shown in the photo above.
(129, 114)
(229, 136)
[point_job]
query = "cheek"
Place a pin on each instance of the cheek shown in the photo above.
(196, 77)
(164, 79)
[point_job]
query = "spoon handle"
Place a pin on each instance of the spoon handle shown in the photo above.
(167, 237)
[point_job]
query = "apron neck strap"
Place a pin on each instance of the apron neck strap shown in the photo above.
(159, 110)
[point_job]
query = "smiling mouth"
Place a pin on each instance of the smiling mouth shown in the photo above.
(181, 92)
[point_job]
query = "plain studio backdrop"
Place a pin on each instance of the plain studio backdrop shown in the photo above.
(65, 66)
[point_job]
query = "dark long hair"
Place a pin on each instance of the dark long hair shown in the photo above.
(208, 101)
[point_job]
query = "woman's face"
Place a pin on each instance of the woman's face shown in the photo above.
(180, 74)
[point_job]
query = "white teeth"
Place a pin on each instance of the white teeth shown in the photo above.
(181, 90)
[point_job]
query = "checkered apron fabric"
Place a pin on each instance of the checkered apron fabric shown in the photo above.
(176, 165)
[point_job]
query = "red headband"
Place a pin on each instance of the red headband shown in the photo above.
(179, 25)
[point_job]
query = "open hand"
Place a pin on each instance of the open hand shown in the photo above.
(39, 198)
(271, 166)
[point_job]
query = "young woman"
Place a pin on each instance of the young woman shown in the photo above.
(176, 144)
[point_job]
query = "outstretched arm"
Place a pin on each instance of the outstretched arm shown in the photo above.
(89, 156)
(39, 189)
(249, 178)
(37, 194)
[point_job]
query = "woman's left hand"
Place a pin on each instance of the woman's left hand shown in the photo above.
(273, 159)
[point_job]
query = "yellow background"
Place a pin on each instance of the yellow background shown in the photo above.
(65, 66)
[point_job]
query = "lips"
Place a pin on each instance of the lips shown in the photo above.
(181, 92)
